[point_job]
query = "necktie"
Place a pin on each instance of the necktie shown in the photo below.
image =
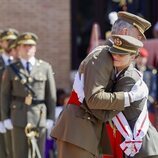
(9, 61)
(28, 66)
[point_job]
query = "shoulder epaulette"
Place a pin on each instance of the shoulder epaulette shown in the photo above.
(40, 61)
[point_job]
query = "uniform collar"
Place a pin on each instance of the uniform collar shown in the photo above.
(31, 60)
(6, 58)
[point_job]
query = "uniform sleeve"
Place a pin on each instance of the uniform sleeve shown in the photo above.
(50, 94)
(124, 84)
(97, 75)
(6, 95)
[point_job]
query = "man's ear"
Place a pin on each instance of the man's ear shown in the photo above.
(133, 57)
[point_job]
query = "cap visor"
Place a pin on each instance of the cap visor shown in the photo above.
(117, 51)
(29, 42)
(10, 37)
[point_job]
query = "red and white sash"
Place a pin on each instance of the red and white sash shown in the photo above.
(133, 140)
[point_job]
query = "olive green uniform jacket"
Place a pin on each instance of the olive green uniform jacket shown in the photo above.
(3, 151)
(42, 82)
(82, 125)
(14, 93)
(124, 82)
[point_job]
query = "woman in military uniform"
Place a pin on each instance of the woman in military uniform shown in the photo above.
(142, 141)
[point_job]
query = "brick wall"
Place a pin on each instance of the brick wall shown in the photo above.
(50, 20)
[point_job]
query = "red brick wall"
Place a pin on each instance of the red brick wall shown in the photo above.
(50, 20)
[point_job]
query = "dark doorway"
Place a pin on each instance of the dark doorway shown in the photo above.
(85, 13)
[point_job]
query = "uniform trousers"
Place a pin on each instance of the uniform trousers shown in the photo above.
(68, 150)
(3, 152)
(20, 142)
(8, 143)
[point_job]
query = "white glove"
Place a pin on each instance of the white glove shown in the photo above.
(138, 91)
(2, 128)
(78, 86)
(8, 124)
(49, 126)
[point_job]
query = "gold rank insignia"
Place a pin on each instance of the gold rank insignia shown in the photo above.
(28, 99)
(10, 33)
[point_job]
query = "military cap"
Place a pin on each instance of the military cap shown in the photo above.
(9, 34)
(124, 44)
(141, 24)
(12, 44)
(27, 38)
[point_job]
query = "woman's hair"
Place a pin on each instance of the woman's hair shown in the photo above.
(119, 25)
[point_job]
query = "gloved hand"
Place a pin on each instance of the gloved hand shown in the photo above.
(2, 128)
(138, 91)
(8, 124)
(78, 86)
(49, 126)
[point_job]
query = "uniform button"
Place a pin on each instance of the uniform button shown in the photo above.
(14, 106)
(88, 118)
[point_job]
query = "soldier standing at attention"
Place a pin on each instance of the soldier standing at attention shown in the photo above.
(6, 36)
(2, 128)
(1, 49)
(12, 49)
(28, 98)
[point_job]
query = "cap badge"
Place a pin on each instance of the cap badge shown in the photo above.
(27, 36)
(117, 42)
(10, 33)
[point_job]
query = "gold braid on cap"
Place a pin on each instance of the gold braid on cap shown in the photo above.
(124, 49)
(139, 28)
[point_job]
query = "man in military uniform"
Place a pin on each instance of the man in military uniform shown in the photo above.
(122, 26)
(28, 98)
(5, 59)
(1, 49)
(78, 129)
(12, 49)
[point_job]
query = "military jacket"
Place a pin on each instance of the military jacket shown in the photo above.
(14, 93)
(82, 125)
(124, 82)
(2, 67)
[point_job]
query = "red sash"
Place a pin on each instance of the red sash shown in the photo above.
(114, 140)
(74, 99)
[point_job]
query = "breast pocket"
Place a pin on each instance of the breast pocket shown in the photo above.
(39, 81)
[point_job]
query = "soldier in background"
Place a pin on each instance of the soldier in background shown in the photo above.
(1, 49)
(6, 36)
(3, 152)
(12, 49)
(28, 98)
(150, 78)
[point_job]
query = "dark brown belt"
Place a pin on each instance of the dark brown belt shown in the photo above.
(22, 99)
